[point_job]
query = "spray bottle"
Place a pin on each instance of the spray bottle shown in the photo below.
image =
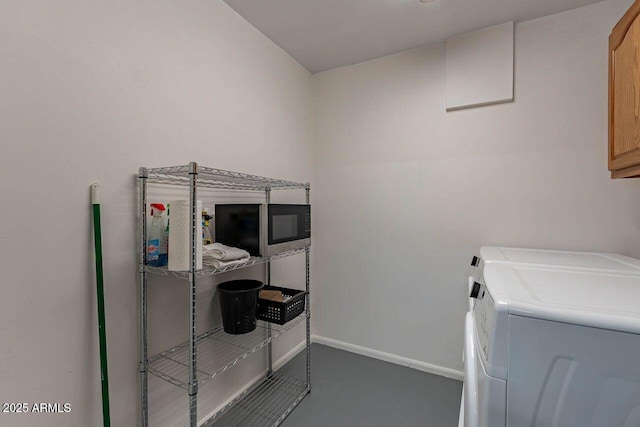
(166, 237)
(207, 238)
(156, 247)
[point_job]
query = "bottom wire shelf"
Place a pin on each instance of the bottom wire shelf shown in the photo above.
(267, 403)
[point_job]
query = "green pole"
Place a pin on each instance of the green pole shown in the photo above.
(100, 294)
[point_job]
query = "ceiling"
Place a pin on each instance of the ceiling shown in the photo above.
(325, 34)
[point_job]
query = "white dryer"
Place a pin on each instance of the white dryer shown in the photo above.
(542, 257)
(553, 343)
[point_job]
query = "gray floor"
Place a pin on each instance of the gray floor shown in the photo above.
(352, 390)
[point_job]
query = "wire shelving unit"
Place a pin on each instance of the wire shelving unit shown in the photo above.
(202, 357)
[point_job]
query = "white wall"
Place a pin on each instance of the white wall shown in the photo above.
(90, 92)
(406, 193)
(403, 192)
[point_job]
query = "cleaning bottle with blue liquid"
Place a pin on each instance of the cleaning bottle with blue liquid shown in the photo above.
(157, 245)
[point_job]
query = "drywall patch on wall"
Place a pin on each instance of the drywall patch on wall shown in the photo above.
(480, 67)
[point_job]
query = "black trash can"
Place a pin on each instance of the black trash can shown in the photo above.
(238, 300)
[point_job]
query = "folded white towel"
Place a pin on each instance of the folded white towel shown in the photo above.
(222, 252)
(215, 263)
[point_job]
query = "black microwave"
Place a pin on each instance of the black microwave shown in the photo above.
(263, 229)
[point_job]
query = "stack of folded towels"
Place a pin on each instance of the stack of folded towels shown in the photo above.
(217, 255)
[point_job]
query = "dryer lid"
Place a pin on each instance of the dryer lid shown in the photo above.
(591, 298)
(581, 260)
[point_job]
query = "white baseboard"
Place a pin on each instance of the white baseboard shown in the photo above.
(290, 355)
(388, 357)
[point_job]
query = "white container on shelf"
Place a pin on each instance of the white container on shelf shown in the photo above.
(180, 235)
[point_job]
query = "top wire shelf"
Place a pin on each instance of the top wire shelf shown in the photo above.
(216, 178)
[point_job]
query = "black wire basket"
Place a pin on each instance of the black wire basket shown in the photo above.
(281, 312)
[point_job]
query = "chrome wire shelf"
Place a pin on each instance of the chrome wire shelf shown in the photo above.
(210, 271)
(217, 352)
(217, 178)
(267, 403)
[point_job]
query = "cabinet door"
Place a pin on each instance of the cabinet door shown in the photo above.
(624, 95)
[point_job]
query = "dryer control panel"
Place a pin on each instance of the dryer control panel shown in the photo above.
(483, 306)
(484, 314)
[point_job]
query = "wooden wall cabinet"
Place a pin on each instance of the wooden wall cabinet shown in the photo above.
(624, 95)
